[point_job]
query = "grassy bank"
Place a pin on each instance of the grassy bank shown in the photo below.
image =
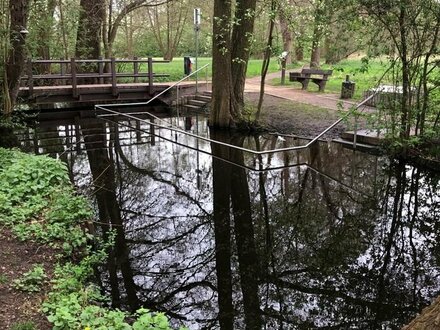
(365, 74)
(39, 206)
(175, 68)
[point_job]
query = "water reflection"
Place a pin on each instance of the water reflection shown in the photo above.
(333, 239)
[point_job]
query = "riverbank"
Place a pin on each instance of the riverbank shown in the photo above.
(20, 309)
(47, 257)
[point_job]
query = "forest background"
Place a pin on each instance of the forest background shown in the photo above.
(403, 33)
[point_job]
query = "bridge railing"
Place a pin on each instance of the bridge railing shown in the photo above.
(88, 72)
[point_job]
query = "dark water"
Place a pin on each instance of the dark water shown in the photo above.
(218, 238)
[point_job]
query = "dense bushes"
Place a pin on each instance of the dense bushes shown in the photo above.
(38, 202)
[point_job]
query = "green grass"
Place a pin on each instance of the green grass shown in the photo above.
(175, 68)
(364, 76)
(27, 325)
(3, 279)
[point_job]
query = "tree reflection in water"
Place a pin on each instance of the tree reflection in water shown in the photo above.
(346, 241)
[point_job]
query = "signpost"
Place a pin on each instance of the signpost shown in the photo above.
(197, 14)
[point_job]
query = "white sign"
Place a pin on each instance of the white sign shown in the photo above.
(197, 14)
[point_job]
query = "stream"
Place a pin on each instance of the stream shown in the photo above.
(222, 237)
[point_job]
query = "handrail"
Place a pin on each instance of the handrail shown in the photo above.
(99, 60)
(254, 152)
(75, 75)
(103, 106)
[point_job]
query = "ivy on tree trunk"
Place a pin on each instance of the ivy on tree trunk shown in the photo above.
(230, 55)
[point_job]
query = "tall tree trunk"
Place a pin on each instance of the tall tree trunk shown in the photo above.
(241, 42)
(91, 18)
(286, 35)
(315, 56)
(406, 88)
(89, 34)
(221, 65)
(44, 20)
(63, 29)
(266, 61)
(17, 53)
(319, 17)
(230, 55)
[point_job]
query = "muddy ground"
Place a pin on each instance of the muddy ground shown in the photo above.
(18, 307)
(289, 117)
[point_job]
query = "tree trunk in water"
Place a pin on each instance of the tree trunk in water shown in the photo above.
(221, 176)
(245, 241)
(17, 52)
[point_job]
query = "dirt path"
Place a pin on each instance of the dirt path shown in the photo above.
(18, 309)
(294, 93)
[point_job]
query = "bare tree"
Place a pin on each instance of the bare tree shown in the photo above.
(176, 17)
(114, 19)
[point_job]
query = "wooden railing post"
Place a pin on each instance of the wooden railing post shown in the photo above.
(63, 70)
(30, 77)
(74, 79)
(113, 72)
(150, 75)
(77, 134)
(101, 69)
(135, 69)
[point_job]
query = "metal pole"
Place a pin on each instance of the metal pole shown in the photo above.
(197, 29)
(197, 58)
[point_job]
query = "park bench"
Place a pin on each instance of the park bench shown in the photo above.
(317, 76)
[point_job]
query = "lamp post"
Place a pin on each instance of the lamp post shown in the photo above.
(197, 14)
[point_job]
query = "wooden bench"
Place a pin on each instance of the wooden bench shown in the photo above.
(317, 76)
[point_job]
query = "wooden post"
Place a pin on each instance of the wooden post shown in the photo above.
(62, 71)
(138, 131)
(101, 70)
(77, 135)
(283, 71)
(135, 69)
(113, 72)
(30, 77)
(35, 140)
(152, 133)
(74, 79)
(150, 75)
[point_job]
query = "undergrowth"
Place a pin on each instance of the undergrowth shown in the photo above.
(38, 202)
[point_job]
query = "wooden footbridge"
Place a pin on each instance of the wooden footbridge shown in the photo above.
(90, 81)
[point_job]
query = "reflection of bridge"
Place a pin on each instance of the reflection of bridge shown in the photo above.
(83, 81)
